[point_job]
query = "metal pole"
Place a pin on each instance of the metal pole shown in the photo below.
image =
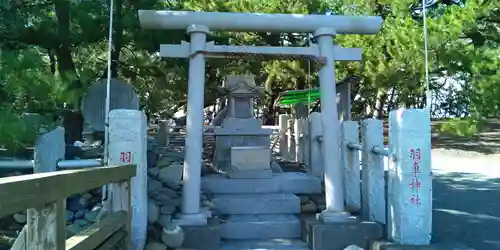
(84, 163)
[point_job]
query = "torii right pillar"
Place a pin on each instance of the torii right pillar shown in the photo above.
(333, 172)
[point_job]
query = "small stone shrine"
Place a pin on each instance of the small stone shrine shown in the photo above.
(242, 146)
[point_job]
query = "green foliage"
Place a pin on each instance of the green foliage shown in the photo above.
(51, 51)
(18, 131)
(462, 127)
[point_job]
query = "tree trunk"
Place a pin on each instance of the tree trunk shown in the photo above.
(67, 71)
(378, 112)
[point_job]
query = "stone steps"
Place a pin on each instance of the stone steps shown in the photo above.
(271, 244)
(256, 204)
(286, 182)
(262, 226)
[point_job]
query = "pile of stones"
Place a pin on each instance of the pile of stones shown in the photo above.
(165, 168)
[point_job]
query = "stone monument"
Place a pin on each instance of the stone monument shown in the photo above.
(242, 146)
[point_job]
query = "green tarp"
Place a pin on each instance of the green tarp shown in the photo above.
(299, 96)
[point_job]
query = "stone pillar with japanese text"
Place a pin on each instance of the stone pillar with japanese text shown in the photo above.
(410, 177)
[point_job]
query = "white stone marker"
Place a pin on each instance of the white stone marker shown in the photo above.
(410, 177)
(128, 145)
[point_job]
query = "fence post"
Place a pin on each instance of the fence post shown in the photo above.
(350, 160)
(373, 184)
(291, 141)
(46, 226)
(299, 139)
(283, 142)
(316, 164)
(305, 142)
(410, 177)
(163, 134)
(128, 145)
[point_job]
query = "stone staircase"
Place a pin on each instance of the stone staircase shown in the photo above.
(259, 214)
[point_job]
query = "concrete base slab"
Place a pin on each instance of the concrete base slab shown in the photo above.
(334, 217)
(256, 204)
(190, 219)
(264, 226)
(203, 237)
(271, 244)
(250, 174)
(339, 235)
(286, 182)
(385, 245)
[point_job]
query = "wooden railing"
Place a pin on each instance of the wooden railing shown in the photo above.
(44, 195)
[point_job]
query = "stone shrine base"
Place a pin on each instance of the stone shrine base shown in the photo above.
(385, 245)
(203, 237)
(338, 236)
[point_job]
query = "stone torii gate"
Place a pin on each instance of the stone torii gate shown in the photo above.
(324, 29)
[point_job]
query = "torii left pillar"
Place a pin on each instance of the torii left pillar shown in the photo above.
(191, 214)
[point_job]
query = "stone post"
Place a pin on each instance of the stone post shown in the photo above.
(128, 145)
(373, 184)
(299, 145)
(350, 160)
(283, 123)
(191, 214)
(49, 149)
(316, 164)
(163, 134)
(410, 177)
(334, 189)
(291, 140)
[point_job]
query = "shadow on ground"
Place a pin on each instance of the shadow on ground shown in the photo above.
(467, 210)
(485, 143)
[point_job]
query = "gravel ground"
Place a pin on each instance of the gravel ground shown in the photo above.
(466, 202)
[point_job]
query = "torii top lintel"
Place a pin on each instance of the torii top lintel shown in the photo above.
(258, 22)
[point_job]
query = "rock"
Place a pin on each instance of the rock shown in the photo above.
(163, 199)
(153, 212)
(304, 199)
(169, 192)
(208, 204)
(20, 218)
(172, 235)
(152, 158)
(153, 185)
(353, 247)
(171, 173)
(81, 223)
(96, 191)
(308, 208)
(155, 246)
(165, 220)
(86, 196)
(154, 172)
(93, 214)
(206, 211)
(164, 162)
(77, 203)
(70, 215)
(167, 209)
(173, 185)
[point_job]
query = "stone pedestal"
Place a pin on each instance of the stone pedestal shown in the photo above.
(243, 139)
